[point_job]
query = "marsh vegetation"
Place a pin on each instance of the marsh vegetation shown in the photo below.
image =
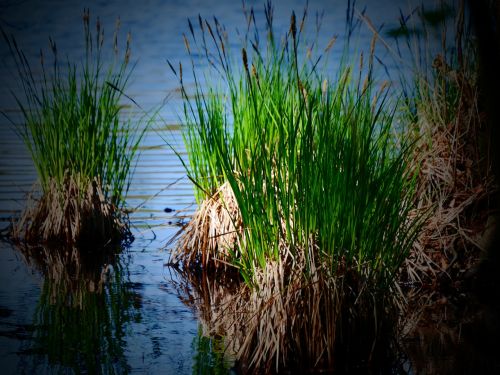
(338, 211)
(81, 145)
(311, 193)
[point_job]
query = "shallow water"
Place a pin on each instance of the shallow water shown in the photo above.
(138, 323)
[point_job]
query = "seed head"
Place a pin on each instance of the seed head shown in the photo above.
(324, 86)
(331, 43)
(245, 60)
(127, 50)
(186, 43)
(293, 26)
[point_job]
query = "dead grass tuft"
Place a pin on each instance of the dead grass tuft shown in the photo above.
(71, 216)
(212, 232)
(455, 182)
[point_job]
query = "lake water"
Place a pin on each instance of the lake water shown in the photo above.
(139, 323)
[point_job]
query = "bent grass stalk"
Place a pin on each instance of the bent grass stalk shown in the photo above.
(77, 139)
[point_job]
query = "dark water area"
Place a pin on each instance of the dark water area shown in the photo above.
(125, 313)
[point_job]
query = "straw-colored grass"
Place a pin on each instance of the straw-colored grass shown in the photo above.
(453, 154)
(72, 216)
(290, 322)
(213, 230)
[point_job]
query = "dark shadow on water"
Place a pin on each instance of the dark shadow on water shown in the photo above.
(460, 336)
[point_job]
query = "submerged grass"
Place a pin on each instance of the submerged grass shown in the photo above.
(81, 148)
(302, 187)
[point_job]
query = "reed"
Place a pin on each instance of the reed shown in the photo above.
(81, 146)
(311, 162)
(302, 187)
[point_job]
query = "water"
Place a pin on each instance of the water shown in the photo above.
(138, 323)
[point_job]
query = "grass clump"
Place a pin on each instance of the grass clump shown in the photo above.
(81, 148)
(303, 188)
(455, 181)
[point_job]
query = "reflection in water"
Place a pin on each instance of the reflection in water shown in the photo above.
(84, 306)
(209, 357)
(219, 334)
(230, 337)
(456, 339)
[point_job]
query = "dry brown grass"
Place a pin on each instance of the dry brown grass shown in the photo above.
(299, 311)
(211, 233)
(455, 182)
(263, 327)
(71, 216)
(290, 321)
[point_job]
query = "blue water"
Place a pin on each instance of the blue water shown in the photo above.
(140, 324)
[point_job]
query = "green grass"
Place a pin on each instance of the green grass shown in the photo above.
(71, 116)
(76, 133)
(312, 160)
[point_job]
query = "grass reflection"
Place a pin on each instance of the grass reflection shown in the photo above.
(84, 307)
(209, 357)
